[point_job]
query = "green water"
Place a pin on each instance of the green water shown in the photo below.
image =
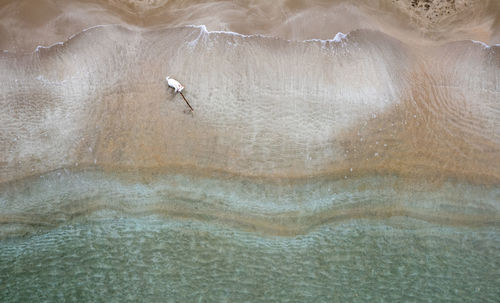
(283, 207)
(95, 236)
(164, 260)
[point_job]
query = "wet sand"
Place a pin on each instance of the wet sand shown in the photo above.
(368, 103)
(26, 24)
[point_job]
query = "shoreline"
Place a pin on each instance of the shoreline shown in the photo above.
(45, 23)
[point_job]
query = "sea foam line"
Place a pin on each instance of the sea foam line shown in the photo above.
(70, 37)
(484, 44)
(339, 37)
(204, 29)
(50, 46)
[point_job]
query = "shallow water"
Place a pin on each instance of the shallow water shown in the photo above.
(92, 235)
(116, 260)
(266, 206)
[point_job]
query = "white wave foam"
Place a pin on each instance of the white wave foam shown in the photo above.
(70, 37)
(50, 46)
(481, 43)
(86, 29)
(484, 45)
(339, 37)
(205, 31)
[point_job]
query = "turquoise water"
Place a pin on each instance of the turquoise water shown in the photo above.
(165, 260)
(95, 236)
(277, 207)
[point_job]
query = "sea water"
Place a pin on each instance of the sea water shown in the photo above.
(156, 260)
(98, 236)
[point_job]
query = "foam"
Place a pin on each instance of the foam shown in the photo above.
(204, 29)
(89, 28)
(48, 47)
(338, 38)
(484, 45)
(37, 49)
